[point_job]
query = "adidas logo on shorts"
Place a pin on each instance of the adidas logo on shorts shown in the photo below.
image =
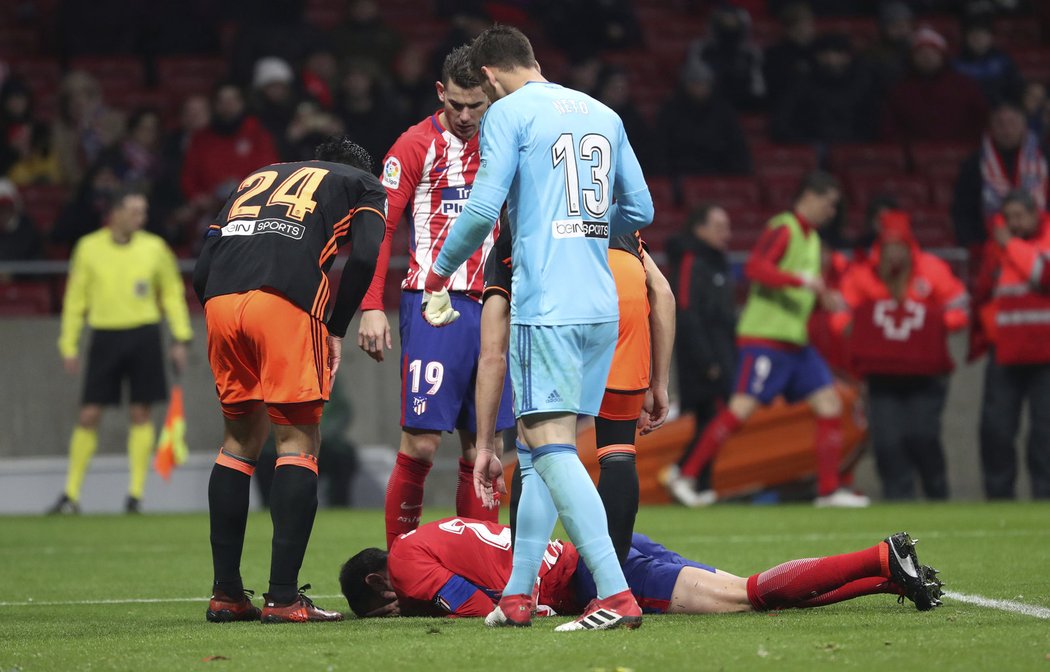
(553, 397)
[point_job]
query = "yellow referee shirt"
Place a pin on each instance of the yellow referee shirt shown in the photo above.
(122, 287)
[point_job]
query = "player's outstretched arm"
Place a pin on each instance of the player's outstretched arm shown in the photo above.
(662, 327)
(492, 369)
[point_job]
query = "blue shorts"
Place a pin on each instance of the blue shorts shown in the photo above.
(561, 369)
(651, 571)
(439, 369)
(765, 373)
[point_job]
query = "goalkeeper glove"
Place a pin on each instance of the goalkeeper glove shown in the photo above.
(437, 308)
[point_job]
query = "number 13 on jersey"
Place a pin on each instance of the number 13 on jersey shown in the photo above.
(595, 152)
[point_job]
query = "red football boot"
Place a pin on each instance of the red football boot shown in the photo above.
(299, 610)
(616, 611)
(512, 610)
(225, 609)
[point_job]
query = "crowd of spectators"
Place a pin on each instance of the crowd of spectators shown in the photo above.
(289, 83)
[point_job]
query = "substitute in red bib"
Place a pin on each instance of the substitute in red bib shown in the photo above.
(274, 343)
(901, 304)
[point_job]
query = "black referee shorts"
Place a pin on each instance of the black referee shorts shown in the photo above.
(116, 355)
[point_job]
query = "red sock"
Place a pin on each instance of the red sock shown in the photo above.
(871, 585)
(829, 448)
(716, 434)
(794, 583)
(404, 496)
(468, 504)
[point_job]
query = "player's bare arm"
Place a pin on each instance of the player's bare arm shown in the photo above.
(492, 368)
(662, 327)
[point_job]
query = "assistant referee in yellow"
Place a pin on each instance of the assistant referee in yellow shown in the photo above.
(122, 279)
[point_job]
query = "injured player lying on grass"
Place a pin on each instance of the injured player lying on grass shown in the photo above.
(459, 566)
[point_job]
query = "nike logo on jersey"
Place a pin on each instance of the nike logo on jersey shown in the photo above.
(407, 507)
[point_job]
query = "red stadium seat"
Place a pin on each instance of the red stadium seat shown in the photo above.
(779, 191)
(725, 191)
(939, 158)
(787, 161)
(43, 203)
(910, 192)
(933, 228)
(663, 193)
(1019, 32)
(25, 298)
(942, 190)
(864, 158)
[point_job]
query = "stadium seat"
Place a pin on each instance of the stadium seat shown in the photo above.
(25, 298)
(939, 158)
(663, 192)
(792, 161)
(115, 74)
(778, 191)
(43, 203)
(942, 190)
(182, 76)
(862, 31)
(864, 158)
(1018, 32)
(725, 191)
(910, 192)
(932, 227)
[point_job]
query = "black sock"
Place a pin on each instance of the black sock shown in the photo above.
(293, 504)
(703, 481)
(618, 487)
(228, 493)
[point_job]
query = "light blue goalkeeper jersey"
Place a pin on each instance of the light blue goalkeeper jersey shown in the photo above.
(562, 162)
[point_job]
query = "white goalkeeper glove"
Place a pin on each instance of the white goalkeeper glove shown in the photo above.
(437, 308)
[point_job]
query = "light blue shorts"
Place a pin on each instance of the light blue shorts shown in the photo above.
(560, 369)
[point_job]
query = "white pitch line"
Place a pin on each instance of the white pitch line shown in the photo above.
(129, 600)
(1002, 605)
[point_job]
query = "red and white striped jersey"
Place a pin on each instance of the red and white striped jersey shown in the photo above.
(430, 171)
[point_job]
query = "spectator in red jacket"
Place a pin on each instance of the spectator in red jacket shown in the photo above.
(901, 305)
(934, 102)
(1013, 292)
(221, 155)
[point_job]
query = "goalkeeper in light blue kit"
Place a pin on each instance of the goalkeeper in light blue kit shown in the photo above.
(562, 163)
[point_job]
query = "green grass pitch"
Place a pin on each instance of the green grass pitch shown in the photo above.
(57, 574)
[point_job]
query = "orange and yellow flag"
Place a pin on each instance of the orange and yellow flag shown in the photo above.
(171, 447)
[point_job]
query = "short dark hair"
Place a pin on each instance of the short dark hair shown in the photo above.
(503, 47)
(459, 70)
(341, 149)
(124, 193)
(1022, 197)
(818, 182)
(700, 215)
(352, 575)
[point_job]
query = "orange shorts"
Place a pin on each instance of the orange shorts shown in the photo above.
(621, 405)
(264, 348)
(632, 362)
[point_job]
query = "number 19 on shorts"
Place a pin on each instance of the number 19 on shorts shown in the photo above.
(432, 373)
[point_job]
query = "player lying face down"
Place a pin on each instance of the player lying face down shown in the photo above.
(458, 567)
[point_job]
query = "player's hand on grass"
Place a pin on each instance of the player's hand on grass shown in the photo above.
(654, 410)
(335, 353)
(391, 608)
(71, 365)
(373, 335)
(437, 308)
(488, 477)
(179, 356)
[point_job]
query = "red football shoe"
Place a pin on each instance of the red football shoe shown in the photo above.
(512, 610)
(225, 609)
(616, 611)
(299, 610)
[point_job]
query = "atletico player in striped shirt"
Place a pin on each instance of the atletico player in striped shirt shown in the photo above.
(428, 173)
